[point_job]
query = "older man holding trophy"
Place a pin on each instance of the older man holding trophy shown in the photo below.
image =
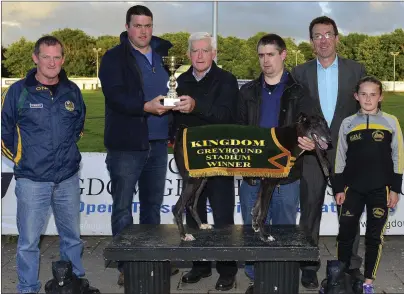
(208, 95)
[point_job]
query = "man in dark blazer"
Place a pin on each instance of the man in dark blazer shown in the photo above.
(331, 81)
(209, 96)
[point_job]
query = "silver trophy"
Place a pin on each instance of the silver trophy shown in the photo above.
(173, 63)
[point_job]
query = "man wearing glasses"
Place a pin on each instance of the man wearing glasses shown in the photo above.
(136, 123)
(331, 80)
(42, 118)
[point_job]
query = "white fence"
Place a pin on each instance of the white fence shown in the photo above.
(82, 83)
(389, 86)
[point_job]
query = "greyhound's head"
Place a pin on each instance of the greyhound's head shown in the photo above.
(62, 272)
(315, 127)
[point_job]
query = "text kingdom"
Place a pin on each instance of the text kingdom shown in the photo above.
(227, 142)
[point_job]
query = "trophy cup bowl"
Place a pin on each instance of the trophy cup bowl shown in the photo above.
(173, 63)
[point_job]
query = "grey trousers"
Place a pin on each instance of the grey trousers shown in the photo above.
(312, 191)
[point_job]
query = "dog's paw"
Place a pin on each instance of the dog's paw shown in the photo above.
(267, 239)
(188, 237)
(256, 228)
(205, 227)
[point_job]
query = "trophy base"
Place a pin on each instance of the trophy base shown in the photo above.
(170, 101)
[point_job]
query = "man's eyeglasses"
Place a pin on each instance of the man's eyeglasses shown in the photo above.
(139, 26)
(318, 37)
(49, 58)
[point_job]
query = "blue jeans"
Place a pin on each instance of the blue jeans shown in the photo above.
(33, 202)
(282, 210)
(284, 203)
(147, 168)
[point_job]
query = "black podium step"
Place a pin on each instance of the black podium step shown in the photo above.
(148, 249)
(234, 242)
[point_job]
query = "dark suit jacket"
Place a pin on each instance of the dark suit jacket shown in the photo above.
(349, 73)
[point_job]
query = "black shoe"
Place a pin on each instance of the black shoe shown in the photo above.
(86, 288)
(323, 286)
(174, 271)
(250, 289)
(309, 279)
(194, 276)
(92, 290)
(336, 278)
(357, 279)
(225, 283)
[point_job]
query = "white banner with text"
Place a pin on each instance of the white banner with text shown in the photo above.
(96, 201)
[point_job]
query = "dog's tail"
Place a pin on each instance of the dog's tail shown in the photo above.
(178, 150)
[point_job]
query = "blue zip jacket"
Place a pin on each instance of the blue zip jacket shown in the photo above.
(122, 83)
(39, 131)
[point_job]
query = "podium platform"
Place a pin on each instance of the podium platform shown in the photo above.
(148, 249)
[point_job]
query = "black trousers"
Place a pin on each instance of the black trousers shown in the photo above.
(220, 192)
(376, 217)
(312, 191)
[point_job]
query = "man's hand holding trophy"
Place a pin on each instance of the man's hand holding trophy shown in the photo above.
(162, 104)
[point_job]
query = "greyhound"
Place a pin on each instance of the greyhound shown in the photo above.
(314, 127)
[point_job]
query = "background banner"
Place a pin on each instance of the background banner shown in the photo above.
(96, 201)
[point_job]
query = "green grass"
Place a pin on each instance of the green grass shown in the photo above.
(93, 139)
(393, 103)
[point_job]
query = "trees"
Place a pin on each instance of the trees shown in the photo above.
(18, 58)
(393, 42)
(231, 55)
(239, 56)
(307, 50)
(180, 44)
(371, 55)
(350, 45)
(4, 71)
(80, 58)
(105, 43)
(294, 55)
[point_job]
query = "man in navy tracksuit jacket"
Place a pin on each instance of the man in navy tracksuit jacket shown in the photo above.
(42, 118)
(133, 81)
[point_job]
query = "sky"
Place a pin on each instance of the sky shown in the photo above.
(241, 19)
